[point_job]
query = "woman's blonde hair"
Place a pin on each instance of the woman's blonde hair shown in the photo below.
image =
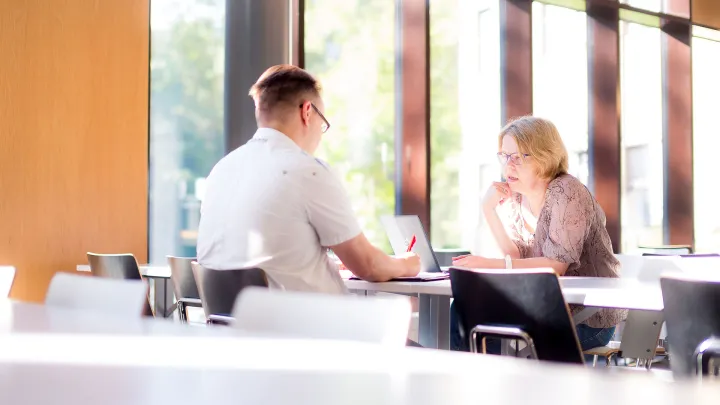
(540, 139)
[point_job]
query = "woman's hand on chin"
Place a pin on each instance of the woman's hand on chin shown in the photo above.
(496, 194)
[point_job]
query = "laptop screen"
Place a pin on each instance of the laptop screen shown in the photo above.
(401, 229)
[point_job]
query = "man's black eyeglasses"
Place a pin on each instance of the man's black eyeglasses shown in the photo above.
(326, 125)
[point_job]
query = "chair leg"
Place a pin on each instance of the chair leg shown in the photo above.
(181, 312)
(595, 357)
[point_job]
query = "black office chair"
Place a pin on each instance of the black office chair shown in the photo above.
(118, 266)
(689, 255)
(692, 315)
(707, 358)
(445, 256)
(184, 286)
(219, 288)
(517, 305)
(668, 249)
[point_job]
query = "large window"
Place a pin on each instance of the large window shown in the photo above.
(655, 6)
(706, 142)
(186, 117)
(560, 85)
(642, 169)
(464, 119)
(350, 47)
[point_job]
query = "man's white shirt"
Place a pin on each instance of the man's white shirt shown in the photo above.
(269, 204)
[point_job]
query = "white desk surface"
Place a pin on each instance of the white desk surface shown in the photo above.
(628, 293)
(589, 291)
(146, 270)
(28, 319)
(184, 366)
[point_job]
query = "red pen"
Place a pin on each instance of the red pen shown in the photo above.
(412, 243)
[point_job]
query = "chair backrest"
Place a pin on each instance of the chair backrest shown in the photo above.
(219, 288)
(445, 256)
(380, 320)
(647, 267)
(119, 266)
(689, 256)
(630, 265)
(707, 358)
(640, 334)
(7, 276)
(123, 298)
(667, 249)
(692, 313)
(527, 299)
(182, 277)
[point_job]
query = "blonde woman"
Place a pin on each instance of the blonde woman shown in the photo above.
(544, 217)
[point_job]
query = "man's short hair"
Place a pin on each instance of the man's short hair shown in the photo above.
(283, 86)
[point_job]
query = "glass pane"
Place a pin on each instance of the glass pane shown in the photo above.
(706, 143)
(349, 46)
(650, 5)
(186, 117)
(464, 119)
(672, 7)
(560, 85)
(641, 196)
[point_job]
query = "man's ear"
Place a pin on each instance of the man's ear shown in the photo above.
(305, 114)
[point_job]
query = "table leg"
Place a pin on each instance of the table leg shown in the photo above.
(434, 322)
(164, 298)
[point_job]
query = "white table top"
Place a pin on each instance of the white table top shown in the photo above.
(26, 318)
(588, 291)
(146, 270)
(627, 293)
(147, 366)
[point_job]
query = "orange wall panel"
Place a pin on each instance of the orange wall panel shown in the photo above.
(706, 12)
(73, 134)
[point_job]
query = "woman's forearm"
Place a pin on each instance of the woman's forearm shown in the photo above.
(530, 263)
(539, 262)
(507, 246)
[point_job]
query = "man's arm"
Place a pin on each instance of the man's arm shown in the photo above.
(371, 264)
(330, 213)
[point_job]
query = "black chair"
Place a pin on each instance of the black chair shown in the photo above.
(690, 255)
(668, 249)
(118, 266)
(692, 315)
(707, 358)
(184, 286)
(518, 305)
(219, 288)
(445, 256)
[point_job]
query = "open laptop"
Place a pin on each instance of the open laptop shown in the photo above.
(401, 229)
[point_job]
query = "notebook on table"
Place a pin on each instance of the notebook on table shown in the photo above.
(422, 276)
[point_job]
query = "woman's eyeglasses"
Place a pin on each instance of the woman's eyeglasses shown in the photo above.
(325, 125)
(515, 158)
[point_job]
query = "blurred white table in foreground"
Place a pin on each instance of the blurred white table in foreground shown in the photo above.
(67, 357)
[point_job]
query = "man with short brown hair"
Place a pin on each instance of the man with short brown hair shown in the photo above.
(271, 204)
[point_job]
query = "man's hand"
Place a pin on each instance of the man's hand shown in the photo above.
(411, 262)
